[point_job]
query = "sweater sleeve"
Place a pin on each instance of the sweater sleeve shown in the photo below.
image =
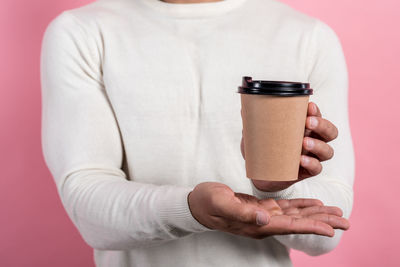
(334, 185)
(83, 150)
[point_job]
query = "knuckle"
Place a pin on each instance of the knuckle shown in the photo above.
(327, 151)
(316, 167)
(331, 130)
(326, 127)
(323, 126)
(327, 124)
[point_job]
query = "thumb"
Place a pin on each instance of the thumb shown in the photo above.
(262, 217)
(248, 213)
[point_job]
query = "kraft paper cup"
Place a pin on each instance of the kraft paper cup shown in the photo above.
(274, 115)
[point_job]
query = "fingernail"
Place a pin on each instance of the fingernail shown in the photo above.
(305, 160)
(261, 218)
(313, 122)
(309, 143)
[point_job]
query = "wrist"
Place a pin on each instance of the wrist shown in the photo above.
(192, 213)
(175, 213)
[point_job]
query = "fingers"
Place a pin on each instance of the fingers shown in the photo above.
(297, 216)
(328, 214)
(307, 132)
(334, 221)
(299, 203)
(313, 110)
(311, 164)
(291, 225)
(324, 128)
(319, 148)
(308, 211)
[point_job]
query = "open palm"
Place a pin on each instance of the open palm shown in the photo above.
(216, 206)
(289, 216)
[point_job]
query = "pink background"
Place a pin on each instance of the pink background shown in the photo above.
(35, 230)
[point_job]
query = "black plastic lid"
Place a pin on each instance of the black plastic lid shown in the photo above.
(279, 88)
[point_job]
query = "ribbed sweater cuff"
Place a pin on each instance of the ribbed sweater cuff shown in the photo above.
(287, 193)
(175, 214)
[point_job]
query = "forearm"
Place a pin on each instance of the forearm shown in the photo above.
(83, 150)
(113, 213)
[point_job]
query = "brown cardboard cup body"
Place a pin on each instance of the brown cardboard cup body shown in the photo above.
(273, 131)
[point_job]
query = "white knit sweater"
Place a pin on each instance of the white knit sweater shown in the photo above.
(140, 105)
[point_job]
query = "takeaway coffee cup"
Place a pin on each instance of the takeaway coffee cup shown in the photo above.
(274, 115)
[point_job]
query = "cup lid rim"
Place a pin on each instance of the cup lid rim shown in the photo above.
(270, 87)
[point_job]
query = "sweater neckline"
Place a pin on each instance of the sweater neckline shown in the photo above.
(193, 10)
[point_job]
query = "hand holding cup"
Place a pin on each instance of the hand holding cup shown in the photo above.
(315, 149)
